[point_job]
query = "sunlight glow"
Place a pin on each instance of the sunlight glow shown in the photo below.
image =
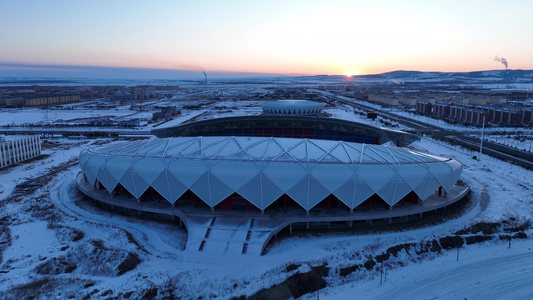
(350, 73)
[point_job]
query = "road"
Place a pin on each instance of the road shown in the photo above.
(515, 156)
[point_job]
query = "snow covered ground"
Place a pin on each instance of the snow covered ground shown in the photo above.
(481, 272)
(57, 244)
(519, 142)
(37, 115)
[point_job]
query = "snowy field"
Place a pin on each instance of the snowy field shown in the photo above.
(57, 244)
(521, 142)
(37, 115)
(42, 227)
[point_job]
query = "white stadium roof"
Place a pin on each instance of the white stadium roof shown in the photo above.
(261, 169)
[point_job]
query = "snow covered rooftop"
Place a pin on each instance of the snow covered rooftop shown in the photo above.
(268, 149)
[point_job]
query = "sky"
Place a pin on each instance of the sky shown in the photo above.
(282, 37)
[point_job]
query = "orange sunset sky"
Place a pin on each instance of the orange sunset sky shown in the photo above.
(282, 37)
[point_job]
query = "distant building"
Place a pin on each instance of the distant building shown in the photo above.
(42, 100)
(101, 122)
(143, 92)
(510, 114)
(167, 113)
(425, 108)
(528, 116)
(130, 122)
(14, 150)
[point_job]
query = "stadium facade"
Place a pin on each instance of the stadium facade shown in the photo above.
(292, 107)
(282, 158)
(254, 176)
(18, 149)
(222, 171)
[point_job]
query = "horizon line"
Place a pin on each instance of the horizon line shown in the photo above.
(56, 68)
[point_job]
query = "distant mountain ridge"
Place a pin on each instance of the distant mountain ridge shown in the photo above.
(490, 76)
(40, 74)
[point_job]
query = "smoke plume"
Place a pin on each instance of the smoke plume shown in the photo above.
(502, 60)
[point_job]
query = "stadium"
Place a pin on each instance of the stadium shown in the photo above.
(291, 169)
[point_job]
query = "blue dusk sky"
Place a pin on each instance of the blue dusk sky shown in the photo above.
(279, 37)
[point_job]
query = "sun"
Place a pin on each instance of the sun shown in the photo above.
(350, 73)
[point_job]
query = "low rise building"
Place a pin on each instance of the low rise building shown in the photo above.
(425, 108)
(17, 149)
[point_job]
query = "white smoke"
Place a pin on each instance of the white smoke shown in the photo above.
(502, 60)
(396, 81)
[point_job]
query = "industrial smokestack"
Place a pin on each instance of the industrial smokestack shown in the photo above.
(205, 75)
(502, 60)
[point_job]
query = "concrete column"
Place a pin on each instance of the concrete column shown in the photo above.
(19, 148)
(23, 149)
(39, 144)
(27, 148)
(35, 145)
(30, 147)
(20, 145)
(15, 152)
(6, 154)
(3, 156)
(12, 153)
